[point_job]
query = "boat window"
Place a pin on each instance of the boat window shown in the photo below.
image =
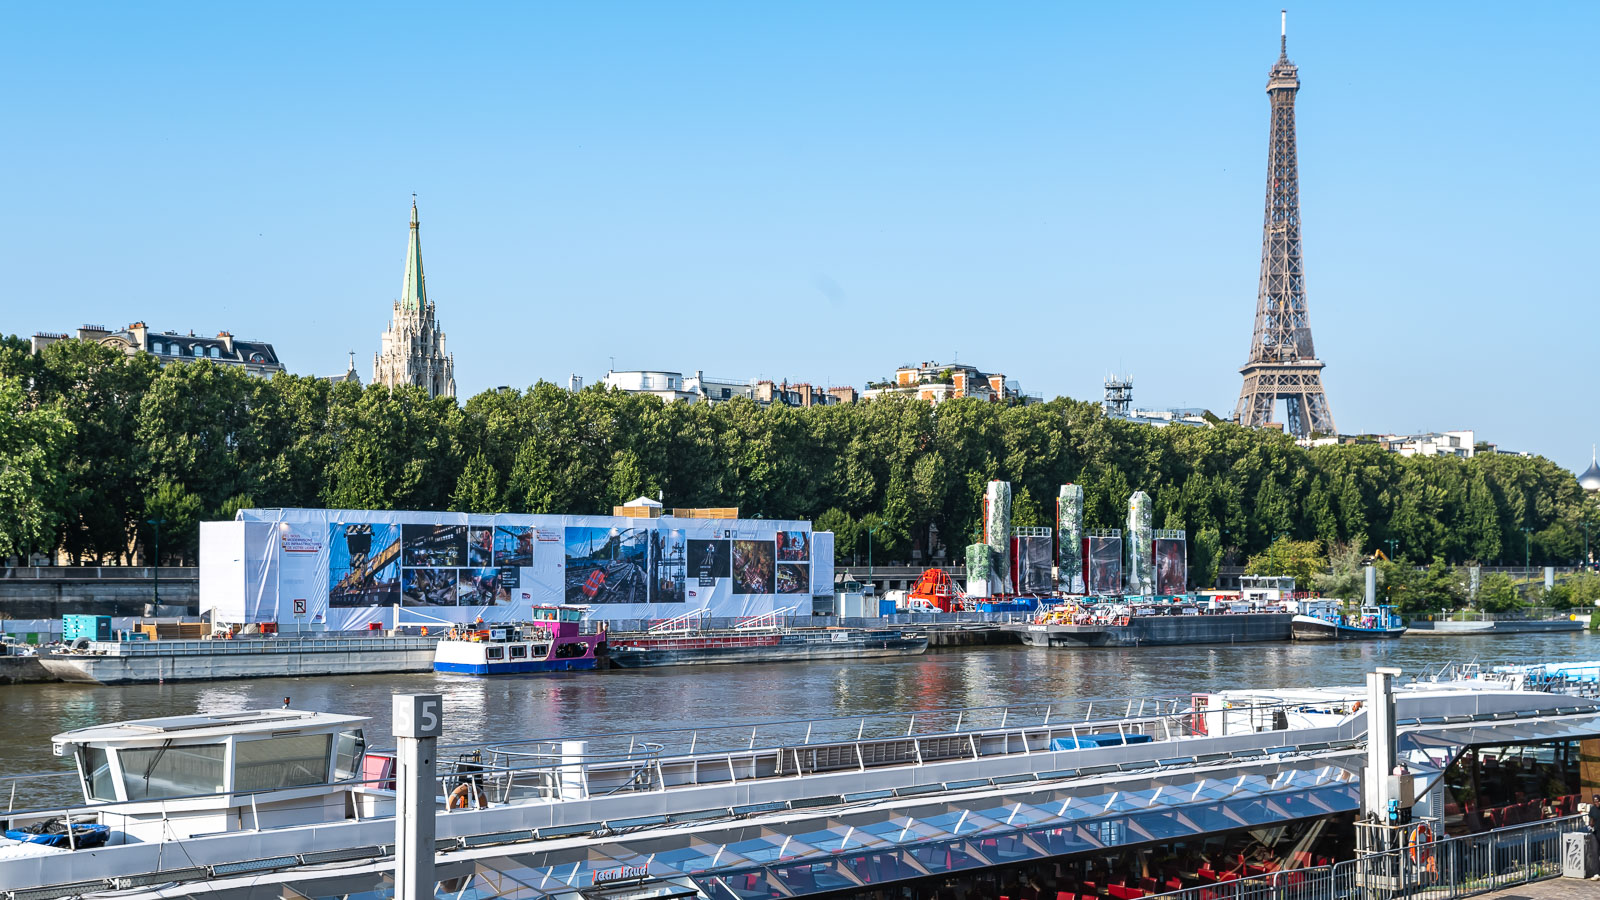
(494, 652)
(96, 766)
(281, 762)
(150, 773)
(348, 749)
(540, 651)
(519, 651)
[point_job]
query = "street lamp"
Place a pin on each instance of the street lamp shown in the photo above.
(155, 584)
(870, 533)
(1527, 547)
(1393, 543)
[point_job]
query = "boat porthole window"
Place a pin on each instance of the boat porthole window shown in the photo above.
(520, 651)
(495, 653)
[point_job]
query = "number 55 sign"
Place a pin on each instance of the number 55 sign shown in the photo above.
(418, 715)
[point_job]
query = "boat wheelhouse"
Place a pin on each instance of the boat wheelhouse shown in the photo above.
(1325, 620)
(551, 641)
(180, 776)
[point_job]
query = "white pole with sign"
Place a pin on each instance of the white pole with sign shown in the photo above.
(418, 722)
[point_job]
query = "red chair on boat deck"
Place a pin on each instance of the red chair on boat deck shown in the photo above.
(1066, 895)
(1149, 885)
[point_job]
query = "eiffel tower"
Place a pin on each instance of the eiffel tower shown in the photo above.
(1283, 362)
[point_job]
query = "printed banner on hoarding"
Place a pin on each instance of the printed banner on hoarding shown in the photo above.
(1105, 565)
(350, 567)
(1171, 566)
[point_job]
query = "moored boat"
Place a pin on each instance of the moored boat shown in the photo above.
(551, 642)
(758, 640)
(1077, 624)
(1324, 620)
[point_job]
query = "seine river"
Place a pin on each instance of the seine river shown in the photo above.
(548, 706)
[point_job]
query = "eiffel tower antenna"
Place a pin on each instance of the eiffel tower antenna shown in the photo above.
(1283, 361)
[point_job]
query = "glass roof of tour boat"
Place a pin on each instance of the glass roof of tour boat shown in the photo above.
(208, 725)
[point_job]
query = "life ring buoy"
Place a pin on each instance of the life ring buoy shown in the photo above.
(1421, 835)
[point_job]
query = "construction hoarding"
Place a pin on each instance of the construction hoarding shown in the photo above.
(345, 569)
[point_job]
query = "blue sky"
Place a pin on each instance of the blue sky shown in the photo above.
(824, 191)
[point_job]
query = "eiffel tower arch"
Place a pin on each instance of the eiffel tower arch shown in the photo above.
(1283, 361)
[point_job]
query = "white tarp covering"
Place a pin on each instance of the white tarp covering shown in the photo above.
(345, 568)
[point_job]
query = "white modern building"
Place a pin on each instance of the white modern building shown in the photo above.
(698, 387)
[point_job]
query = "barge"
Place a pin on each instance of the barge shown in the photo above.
(716, 646)
(1113, 625)
(267, 656)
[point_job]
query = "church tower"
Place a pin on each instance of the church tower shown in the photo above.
(413, 347)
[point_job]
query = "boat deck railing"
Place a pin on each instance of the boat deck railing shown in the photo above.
(666, 759)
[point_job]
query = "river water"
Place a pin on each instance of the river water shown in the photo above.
(548, 706)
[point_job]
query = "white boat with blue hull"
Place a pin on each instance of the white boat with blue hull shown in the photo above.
(1324, 620)
(552, 642)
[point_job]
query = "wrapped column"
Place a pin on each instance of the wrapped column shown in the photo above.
(1141, 574)
(1069, 527)
(997, 533)
(978, 570)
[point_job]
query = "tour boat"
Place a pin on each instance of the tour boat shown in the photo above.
(550, 642)
(296, 797)
(1324, 620)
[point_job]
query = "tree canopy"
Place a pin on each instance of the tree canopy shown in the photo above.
(195, 441)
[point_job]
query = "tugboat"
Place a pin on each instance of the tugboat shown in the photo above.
(1323, 620)
(550, 642)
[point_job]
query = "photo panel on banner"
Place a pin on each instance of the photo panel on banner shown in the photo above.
(433, 546)
(513, 545)
(669, 563)
(363, 564)
(607, 565)
(753, 567)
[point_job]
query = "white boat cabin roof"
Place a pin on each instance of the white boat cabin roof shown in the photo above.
(206, 725)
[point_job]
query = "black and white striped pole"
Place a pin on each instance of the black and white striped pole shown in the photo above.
(418, 721)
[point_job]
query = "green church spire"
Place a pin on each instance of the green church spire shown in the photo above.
(414, 295)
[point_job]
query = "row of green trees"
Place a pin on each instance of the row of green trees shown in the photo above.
(1338, 571)
(94, 443)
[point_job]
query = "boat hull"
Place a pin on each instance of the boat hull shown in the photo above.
(1310, 628)
(281, 657)
(1162, 631)
(626, 657)
(516, 667)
